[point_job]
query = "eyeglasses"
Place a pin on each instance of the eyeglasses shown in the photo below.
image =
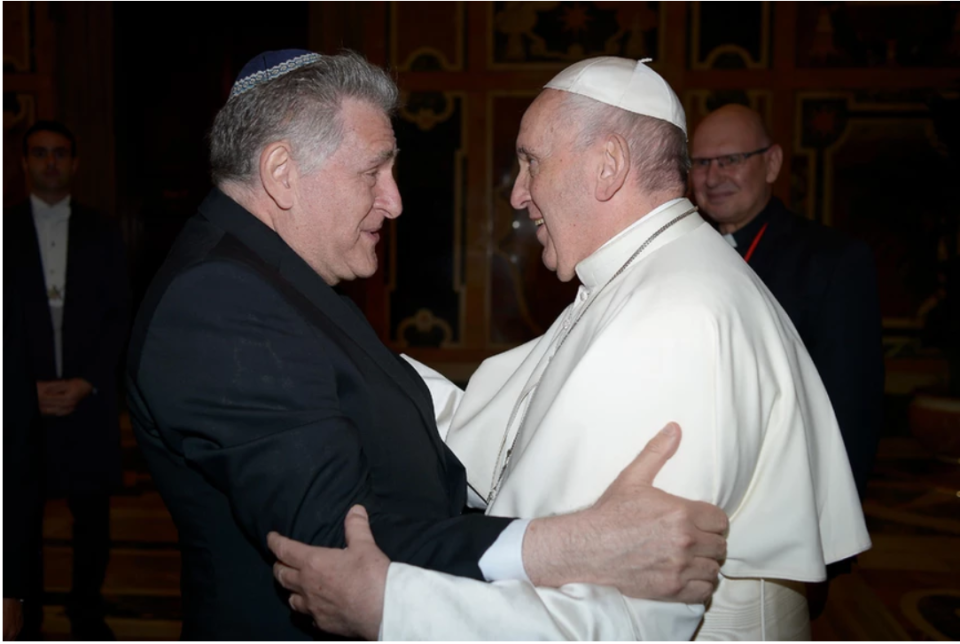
(725, 161)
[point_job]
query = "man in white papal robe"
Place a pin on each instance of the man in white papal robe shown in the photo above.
(669, 325)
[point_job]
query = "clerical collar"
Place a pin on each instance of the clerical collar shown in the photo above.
(745, 236)
(599, 267)
(42, 209)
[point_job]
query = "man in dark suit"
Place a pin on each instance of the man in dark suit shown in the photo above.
(263, 400)
(825, 281)
(73, 289)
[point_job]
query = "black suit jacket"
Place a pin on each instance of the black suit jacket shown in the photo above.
(263, 400)
(22, 503)
(827, 284)
(82, 450)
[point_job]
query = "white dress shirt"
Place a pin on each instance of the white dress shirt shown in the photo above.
(52, 224)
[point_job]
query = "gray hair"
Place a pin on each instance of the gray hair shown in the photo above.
(658, 149)
(303, 107)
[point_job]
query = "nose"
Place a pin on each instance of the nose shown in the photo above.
(714, 174)
(520, 195)
(389, 198)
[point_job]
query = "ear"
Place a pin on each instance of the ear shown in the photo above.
(278, 174)
(614, 167)
(774, 161)
(74, 164)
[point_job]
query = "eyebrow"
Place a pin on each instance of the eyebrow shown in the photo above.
(55, 148)
(524, 152)
(385, 156)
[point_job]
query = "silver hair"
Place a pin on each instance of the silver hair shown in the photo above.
(658, 149)
(303, 107)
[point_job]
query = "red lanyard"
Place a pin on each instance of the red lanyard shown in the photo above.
(753, 244)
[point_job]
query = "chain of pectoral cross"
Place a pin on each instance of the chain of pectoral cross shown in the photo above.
(498, 475)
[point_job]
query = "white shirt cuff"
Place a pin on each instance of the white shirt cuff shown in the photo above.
(504, 559)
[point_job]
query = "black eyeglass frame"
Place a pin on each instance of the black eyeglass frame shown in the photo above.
(703, 163)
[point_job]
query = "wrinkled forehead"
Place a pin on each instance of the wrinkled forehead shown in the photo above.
(48, 139)
(366, 125)
(543, 119)
(548, 105)
(725, 134)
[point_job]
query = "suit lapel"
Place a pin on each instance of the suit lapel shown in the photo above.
(33, 290)
(356, 327)
(79, 234)
(263, 241)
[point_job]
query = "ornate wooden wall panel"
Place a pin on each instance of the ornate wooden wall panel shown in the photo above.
(426, 267)
(58, 63)
(892, 35)
(730, 35)
(845, 89)
(523, 296)
(862, 97)
(28, 84)
(430, 36)
(530, 35)
(872, 165)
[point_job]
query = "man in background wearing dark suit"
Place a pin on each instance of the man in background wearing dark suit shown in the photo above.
(264, 401)
(72, 283)
(825, 281)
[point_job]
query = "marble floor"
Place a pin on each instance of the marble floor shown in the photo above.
(906, 588)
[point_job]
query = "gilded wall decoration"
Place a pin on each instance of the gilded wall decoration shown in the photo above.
(427, 243)
(730, 35)
(424, 329)
(555, 34)
(19, 113)
(873, 166)
(878, 34)
(524, 297)
(427, 36)
(18, 35)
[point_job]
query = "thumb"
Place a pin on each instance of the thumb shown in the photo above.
(357, 527)
(290, 552)
(659, 450)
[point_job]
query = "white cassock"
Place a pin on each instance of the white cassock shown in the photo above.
(687, 333)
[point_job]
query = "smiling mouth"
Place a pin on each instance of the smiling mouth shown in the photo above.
(538, 222)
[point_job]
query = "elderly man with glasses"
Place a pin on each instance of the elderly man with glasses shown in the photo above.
(825, 281)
